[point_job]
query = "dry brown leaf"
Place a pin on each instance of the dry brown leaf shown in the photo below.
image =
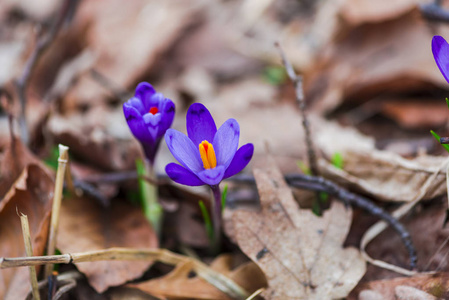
(179, 285)
(32, 195)
(416, 113)
(370, 60)
(14, 160)
(356, 12)
(143, 30)
(435, 285)
(388, 176)
(86, 226)
(101, 137)
(300, 253)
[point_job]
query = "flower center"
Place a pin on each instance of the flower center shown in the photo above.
(154, 110)
(207, 155)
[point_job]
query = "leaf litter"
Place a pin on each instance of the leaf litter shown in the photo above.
(350, 52)
(300, 253)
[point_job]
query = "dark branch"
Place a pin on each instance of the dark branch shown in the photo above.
(434, 12)
(444, 140)
(297, 81)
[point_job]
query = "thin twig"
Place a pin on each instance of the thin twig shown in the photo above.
(297, 81)
(64, 279)
(215, 278)
(29, 252)
(60, 174)
(67, 9)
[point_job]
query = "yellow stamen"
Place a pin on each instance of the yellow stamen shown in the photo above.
(207, 155)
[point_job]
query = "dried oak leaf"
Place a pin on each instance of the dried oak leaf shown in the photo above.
(300, 253)
(87, 226)
(179, 284)
(13, 161)
(388, 176)
(31, 195)
(434, 286)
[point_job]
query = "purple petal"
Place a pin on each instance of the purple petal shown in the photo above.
(200, 124)
(167, 109)
(152, 122)
(184, 150)
(181, 175)
(212, 176)
(226, 142)
(440, 50)
(136, 123)
(144, 91)
(136, 103)
(155, 101)
(240, 160)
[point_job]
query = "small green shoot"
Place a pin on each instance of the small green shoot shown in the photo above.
(337, 160)
(223, 197)
(207, 221)
(447, 102)
(437, 137)
(52, 159)
(274, 75)
(148, 197)
(304, 168)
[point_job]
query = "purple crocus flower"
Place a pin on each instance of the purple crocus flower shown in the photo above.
(207, 155)
(149, 115)
(440, 50)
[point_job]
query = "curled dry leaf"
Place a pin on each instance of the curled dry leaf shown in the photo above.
(428, 286)
(370, 60)
(14, 160)
(300, 253)
(32, 195)
(179, 284)
(388, 176)
(96, 228)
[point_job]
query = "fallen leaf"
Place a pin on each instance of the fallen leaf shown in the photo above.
(15, 158)
(436, 286)
(100, 136)
(179, 283)
(416, 113)
(370, 61)
(96, 228)
(300, 253)
(356, 12)
(388, 176)
(32, 195)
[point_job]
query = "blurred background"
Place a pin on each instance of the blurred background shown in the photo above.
(366, 65)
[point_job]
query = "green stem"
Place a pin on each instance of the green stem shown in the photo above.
(217, 217)
(151, 207)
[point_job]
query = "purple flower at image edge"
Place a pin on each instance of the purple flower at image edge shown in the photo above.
(149, 114)
(207, 155)
(440, 50)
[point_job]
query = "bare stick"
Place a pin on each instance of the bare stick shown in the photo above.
(63, 158)
(42, 44)
(29, 252)
(297, 81)
(215, 278)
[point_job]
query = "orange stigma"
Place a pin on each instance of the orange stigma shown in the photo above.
(154, 110)
(208, 155)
